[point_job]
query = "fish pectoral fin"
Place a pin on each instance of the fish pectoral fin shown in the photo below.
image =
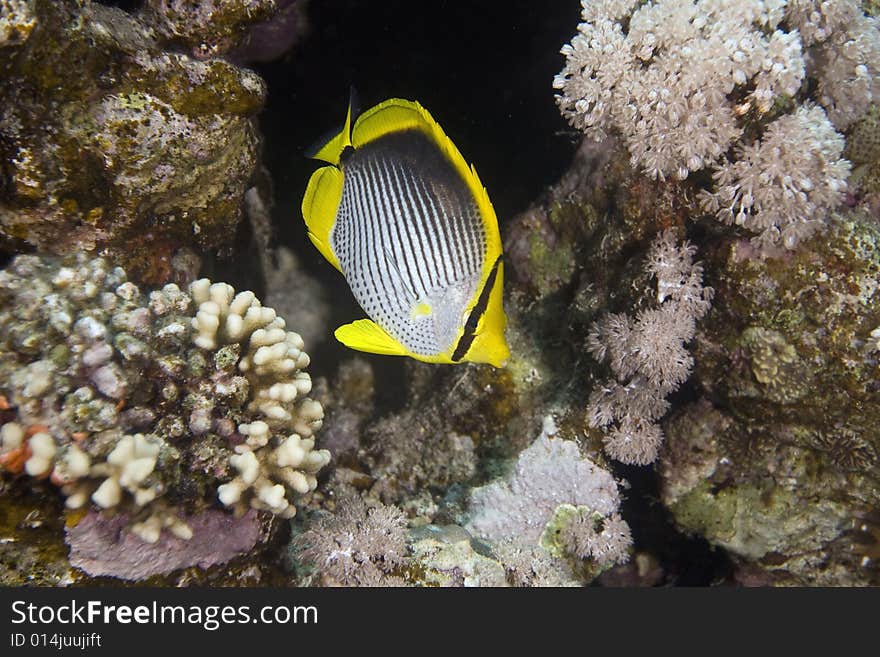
(421, 309)
(366, 335)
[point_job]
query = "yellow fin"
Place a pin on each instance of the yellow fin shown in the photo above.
(393, 115)
(332, 151)
(366, 335)
(319, 207)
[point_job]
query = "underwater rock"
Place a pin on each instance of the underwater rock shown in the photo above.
(106, 547)
(209, 28)
(273, 37)
(777, 462)
(145, 404)
(32, 550)
(110, 142)
(245, 31)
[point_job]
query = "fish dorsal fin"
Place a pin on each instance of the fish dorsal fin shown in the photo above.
(366, 335)
(319, 207)
(331, 150)
(399, 115)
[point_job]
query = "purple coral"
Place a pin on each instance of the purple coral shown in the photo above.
(103, 546)
(551, 476)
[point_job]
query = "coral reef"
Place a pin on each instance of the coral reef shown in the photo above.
(647, 354)
(371, 546)
(167, 435)
(110, 142)
(772, 462)
(426, 457)
(682, 82)
(32, 550)
(152, 405)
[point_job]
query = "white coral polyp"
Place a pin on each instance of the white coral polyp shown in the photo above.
(647, 354)
(782, 184)
(664, 85)
(668, 77)
(271, 468)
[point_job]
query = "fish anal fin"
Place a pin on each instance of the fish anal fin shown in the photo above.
(319, 207)
(366, 335)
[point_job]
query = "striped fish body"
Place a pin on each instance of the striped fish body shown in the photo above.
(408, 223)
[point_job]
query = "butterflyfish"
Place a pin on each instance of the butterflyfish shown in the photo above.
(409, 224)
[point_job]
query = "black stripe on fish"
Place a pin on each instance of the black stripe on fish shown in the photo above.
(470, 327)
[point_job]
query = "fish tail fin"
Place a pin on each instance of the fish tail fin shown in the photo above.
(330, 149)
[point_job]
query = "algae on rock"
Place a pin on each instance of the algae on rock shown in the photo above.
(109, 141)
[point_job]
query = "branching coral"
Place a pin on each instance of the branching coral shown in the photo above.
(647, 354)
(134, 404)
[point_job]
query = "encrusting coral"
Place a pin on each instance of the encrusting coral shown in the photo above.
(152, 404)
(776, 461)
(683, 82)
(555, 499)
